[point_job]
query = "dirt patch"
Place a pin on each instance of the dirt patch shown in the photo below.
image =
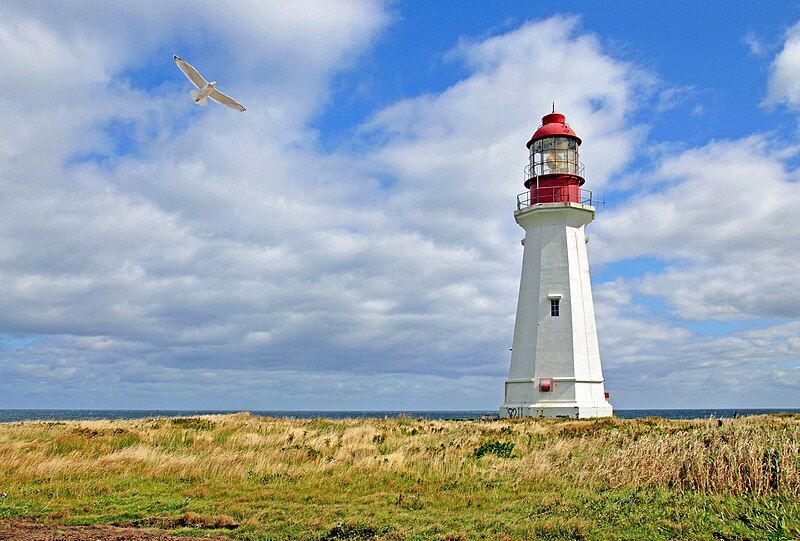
(26, 531)
(191, 520)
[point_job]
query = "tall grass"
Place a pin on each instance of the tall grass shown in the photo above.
(752, 455)
(406, 462)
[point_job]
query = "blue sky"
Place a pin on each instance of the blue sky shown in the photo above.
(698, 47)
(348, 242)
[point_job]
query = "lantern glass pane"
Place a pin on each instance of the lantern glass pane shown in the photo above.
(572, 160)
(561, 161)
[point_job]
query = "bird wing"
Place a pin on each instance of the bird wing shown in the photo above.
(192, 74)
(222, 99)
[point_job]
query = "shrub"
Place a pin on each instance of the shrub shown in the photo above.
(503, 449)
(194, 423)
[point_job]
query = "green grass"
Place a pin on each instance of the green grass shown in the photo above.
(258, 479)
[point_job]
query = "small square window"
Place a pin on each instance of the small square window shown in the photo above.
(554, 307)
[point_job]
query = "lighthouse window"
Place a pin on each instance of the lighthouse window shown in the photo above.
(554, 307)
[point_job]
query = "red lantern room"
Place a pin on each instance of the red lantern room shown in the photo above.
(555, 173)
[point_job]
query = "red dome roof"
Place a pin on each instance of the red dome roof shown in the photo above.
(553, 124)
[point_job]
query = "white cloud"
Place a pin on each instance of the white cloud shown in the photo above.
(237, 244)
(784, 80)
(653, 362)
(674, 96)
(474, 123)
(754, 44)
(720, 216)
(720, 219)
(228, 256)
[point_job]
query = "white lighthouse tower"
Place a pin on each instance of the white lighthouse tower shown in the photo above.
(555, 360)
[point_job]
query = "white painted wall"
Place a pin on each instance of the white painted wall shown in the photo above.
(562, 348)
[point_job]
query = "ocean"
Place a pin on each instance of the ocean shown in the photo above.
(12, 415)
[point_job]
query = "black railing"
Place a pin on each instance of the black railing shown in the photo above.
(557, 194)
(553, 167)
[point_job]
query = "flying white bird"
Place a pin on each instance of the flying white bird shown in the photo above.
(205, 89)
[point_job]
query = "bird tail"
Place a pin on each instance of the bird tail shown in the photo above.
(203, 102)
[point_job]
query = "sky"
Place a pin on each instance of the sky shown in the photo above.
(348, 242)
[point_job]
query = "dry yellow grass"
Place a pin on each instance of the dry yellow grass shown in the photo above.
(244, 460)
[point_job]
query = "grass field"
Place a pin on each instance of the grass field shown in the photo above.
(257, 478)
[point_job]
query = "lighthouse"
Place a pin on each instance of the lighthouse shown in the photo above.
(555, 359)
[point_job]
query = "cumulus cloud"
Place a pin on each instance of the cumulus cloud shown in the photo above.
(165, 252)
(475, 124)
(718, 215)
(247, 248)
(653, 361)
(784, 79)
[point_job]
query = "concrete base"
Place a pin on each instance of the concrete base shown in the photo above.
(553, 411)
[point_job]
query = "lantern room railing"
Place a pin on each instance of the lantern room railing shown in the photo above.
(552, 167)
(557, 194)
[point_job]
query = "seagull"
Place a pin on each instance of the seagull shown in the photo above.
(205, 89)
